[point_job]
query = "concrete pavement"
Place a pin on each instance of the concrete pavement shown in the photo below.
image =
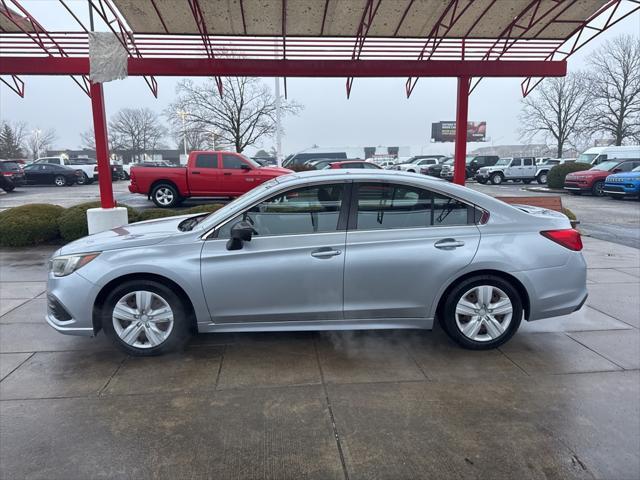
(560, 400)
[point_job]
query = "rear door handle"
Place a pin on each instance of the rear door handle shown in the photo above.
(325, 252)
(227, 173)
(448, 244)
(195, 173)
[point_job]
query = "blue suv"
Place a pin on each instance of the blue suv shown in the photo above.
(625, 184)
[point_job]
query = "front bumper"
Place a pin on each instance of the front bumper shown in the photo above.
(576, 187)
(620, 189)
(70, 303)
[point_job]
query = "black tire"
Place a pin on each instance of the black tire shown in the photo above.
(83, 179)
(542, 178)
(9, 188)
(126, 176)
(483, 181)
(179, 333)
(448, 316)
(60, 181)
(165, 195)
(526, 182)
(596, 190)
(496, 178)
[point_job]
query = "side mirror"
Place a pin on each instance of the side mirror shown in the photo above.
(617, 170)
(245, 167)
(240, 232)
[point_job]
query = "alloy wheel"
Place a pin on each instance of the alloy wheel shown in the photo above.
(142, 319)
(60, 181)
(483, 313)
(164, 196)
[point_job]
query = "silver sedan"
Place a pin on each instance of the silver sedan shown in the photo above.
(324, 250)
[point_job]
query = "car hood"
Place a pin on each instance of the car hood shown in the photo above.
(275, 171)
(138, 234)
(589, 174)
(625, 176)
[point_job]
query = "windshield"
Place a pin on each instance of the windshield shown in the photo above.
(253, 163)
(503, 161)
(586, 157)
(605, 166)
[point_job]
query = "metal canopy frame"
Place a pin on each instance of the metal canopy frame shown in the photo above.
(524, 48)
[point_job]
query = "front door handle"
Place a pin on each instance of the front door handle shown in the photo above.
(448, 244)
(325, 252)
(195, 173)
(227, 173)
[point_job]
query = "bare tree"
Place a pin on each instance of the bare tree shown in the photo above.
(137, 130)
(242, 116)
(88, 140)
(12, 137)
(39, 141)
(556, 110)
(615, 89)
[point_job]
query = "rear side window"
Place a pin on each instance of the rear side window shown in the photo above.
(528, 162)
(207, 160)
(390, 206)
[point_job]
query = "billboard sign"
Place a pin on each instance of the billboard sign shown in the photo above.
(446, 131)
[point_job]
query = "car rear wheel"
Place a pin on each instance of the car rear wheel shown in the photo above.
(60, 181)
(165, 196)
(542, 178)
(497, 178)
(597, 189)
(9, 188)
(482, 312)
(145, 318)
(526, 182)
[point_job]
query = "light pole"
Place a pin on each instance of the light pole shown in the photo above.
(182, 115)
(37, 133)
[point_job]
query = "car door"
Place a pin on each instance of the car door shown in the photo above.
(236, 175)
(204, 175)
(293, 267)
(528, 168)
(403, 244)
(515, 169)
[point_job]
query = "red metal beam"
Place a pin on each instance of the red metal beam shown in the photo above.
(164, 25)
(439, 31)
(579, 41)
(199, 67)
(460, 152)
(404, 15)
(366, 20)
(196, 11)
(102, 146)
(17, 87)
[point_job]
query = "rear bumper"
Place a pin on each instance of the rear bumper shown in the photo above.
(556, 291)
(133, 189)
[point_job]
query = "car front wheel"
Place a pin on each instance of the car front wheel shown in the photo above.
(497, 178)
(482, 312)
(598, 188)
(542, 178)
(145, 318)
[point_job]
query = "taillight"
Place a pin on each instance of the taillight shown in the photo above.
(568, 238)
(7, 174)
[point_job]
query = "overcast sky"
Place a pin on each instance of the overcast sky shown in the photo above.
(378, 112)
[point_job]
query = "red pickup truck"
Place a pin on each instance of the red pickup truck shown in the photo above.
(207, 174)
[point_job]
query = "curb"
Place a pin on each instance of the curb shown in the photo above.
(544, 190)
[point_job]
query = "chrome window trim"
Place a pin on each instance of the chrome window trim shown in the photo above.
(207, 235)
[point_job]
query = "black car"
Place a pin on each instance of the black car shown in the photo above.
(12, 175)
(49, 173)
(434, 170)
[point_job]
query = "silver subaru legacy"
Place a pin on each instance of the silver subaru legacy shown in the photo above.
(324, 250)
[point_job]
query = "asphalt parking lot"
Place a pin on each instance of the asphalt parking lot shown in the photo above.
(603, 218)
(561, 400)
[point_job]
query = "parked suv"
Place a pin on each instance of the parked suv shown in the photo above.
(473, 164)
(620, 185)
(592, 180)
(12, 175)
(511, 168)
(415, 163)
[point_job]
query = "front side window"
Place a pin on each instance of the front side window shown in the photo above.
(516, 162)
(391, 206)
(313, 209)
(207, 160)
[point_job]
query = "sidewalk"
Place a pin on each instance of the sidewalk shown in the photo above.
(560, 400)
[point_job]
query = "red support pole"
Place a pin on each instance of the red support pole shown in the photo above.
(459, 163)
(102, 146)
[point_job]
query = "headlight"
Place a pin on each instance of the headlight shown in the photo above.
(66, 264)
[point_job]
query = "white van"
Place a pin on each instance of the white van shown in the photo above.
(596, 155)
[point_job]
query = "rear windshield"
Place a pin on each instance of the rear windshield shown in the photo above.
(9, 166)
